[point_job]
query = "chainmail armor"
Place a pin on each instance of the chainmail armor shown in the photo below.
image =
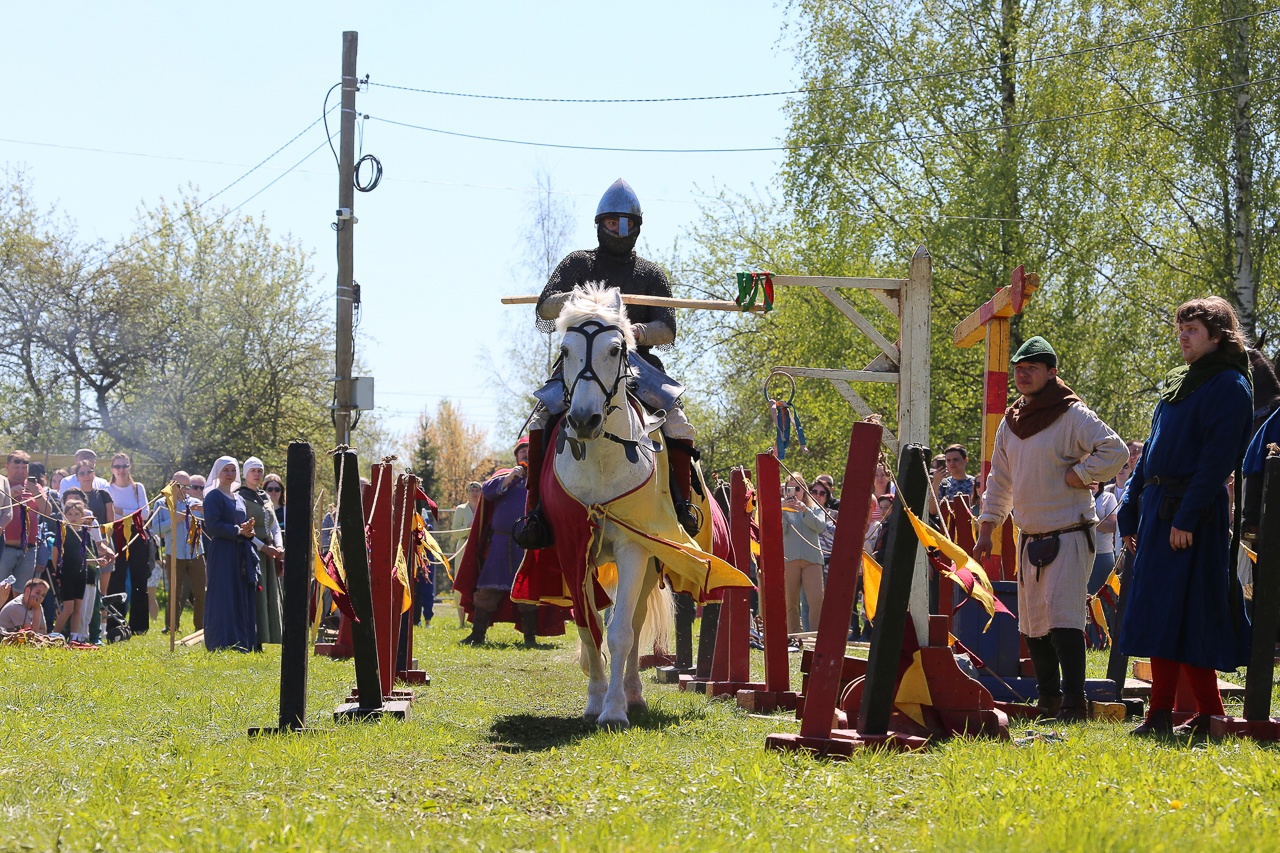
(631, 274)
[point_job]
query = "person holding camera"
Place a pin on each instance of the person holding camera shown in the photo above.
(803, 524)
(27, 501)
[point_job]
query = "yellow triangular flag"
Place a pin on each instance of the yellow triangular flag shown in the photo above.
(1113, 581)
(1099, 617)
(871, 576)
(402, 575)
(982, 589)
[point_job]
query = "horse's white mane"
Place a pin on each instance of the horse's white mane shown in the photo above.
(594, 301)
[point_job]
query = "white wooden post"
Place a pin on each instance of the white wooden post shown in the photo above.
(913, 401)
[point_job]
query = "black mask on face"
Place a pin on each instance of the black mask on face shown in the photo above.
(620, 247)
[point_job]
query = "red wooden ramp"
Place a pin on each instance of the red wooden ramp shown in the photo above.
(910, 694)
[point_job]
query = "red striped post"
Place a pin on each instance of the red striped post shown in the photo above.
(990, 324)
(731, 667)
(842, 581)
(773, 593)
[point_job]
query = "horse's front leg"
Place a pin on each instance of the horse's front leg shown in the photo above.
(632, 562)
(631, 684)
(593, 665)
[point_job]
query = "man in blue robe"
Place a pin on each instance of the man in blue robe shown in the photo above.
(1185, 610)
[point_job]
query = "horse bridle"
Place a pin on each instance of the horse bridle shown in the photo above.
(590, 331)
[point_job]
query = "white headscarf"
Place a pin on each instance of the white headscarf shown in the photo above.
(223, 462)
(254, 462)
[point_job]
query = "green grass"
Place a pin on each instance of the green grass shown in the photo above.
(133, 749)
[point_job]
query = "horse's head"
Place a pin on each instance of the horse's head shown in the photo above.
(596, 337)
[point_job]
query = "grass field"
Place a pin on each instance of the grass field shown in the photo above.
(133, 749)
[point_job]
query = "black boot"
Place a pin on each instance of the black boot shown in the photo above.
(480, 623)
(1157, 724)
(682, 453)
(529, 625)
(1048, 680)
(1075, 708)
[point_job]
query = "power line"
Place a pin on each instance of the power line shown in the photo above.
(193, 210)
(1066, 54)
(858, 144)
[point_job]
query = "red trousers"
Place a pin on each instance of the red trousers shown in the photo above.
(1203, 682)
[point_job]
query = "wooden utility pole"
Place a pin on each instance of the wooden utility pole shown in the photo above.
(344, 348)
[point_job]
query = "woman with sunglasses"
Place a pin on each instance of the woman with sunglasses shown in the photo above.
(133, 552)
(274, 487)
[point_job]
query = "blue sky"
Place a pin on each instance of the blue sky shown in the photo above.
(205, 91)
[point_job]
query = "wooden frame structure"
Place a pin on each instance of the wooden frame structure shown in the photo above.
(904, 363)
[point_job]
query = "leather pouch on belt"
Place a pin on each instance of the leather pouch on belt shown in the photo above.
(1042, 552)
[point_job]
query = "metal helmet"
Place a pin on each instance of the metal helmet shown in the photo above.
(619, 200)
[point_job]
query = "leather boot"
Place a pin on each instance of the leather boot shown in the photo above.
(480, 623)
(533, 482)
(1047, 707)
(682, 453)
(1197, 726)
(529, 625)
(1157, 724)
(1075, 708)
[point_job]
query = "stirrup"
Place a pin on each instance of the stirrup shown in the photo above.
(689, 516)
(531, 532)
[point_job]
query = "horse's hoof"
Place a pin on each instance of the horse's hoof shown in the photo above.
(614, 725)
(638, 706)
(590, 718)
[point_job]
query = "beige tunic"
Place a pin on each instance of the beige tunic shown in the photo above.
(1028, 480)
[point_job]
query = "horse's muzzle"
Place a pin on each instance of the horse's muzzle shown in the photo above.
(585, 429)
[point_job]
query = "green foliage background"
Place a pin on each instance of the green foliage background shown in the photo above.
(1118, 149)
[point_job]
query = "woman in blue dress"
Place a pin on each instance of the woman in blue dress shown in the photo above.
(1185, 610)
(230, 620)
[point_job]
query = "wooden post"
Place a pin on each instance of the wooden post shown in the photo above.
(299, 566)
(386, 606)
(842, 581)
(406, 509)
(1257, 722)
(731, 666)
(913, 404)
(299, 560)
(769, 575)
(355, 559)
(1118, 661)
(896, 596)
(344, 350)
(1266, 599)
(990, 323)
(172, 543)
(777, 692)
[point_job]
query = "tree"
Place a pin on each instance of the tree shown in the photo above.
(1130, 178)
(447, 453)
(528, 359)
(199, 335)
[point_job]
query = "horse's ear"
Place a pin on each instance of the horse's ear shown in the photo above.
(615, 299)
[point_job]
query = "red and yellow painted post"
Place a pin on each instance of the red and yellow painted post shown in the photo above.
(990, 323)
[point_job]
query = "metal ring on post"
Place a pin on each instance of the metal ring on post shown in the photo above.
(778, 371)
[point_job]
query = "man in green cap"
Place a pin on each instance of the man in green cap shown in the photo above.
(1048, 449)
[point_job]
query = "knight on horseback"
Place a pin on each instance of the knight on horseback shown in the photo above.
(614, 263)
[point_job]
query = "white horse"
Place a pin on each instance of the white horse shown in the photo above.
(596, 337)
